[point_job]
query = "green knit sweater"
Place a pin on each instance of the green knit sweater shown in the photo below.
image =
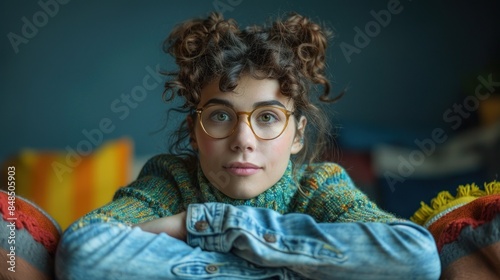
(166, 187)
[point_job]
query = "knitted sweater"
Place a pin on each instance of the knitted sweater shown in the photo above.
(165, 186)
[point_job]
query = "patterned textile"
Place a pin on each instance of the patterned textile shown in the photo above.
(28, 239)
(466, 228)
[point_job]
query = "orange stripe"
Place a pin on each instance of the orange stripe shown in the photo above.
(24, 268)
(125, 161)
(82, 186)
(40, 184)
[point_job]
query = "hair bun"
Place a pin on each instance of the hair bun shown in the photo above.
(190, 39)
(192, 43)
(309, 42)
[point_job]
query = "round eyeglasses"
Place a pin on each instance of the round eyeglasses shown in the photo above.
(266, 122)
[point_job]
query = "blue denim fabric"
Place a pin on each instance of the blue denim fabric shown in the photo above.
(241, 242)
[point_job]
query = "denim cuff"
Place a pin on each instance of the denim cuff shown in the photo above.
(204, 224)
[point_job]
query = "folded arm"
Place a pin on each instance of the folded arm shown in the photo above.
(314, 250)
(113, 250)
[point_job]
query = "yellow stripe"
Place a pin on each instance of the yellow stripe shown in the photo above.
(59, 195)
(82, 194)
(107, 170)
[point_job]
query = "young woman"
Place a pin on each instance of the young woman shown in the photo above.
(239, 201)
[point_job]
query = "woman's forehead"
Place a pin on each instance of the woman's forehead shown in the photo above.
(248, 92)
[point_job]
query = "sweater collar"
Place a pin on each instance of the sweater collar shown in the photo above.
(277, 197)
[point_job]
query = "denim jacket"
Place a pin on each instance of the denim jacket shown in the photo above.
(227, 241)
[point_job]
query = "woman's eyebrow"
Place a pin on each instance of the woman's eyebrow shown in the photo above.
(269, 103)
(218, 101)
(255, 105)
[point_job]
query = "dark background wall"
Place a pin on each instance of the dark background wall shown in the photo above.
(65, 68)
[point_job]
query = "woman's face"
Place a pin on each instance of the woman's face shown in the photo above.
(243, 166)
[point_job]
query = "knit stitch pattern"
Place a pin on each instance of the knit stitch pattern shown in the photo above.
(165, 187)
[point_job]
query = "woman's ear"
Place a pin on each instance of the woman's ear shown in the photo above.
(192, 135)
(298, 142)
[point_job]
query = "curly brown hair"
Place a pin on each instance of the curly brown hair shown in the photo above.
(290, 50)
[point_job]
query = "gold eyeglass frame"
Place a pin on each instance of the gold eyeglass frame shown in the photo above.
(287, 113)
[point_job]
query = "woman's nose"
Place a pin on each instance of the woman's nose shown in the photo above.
(243, 138)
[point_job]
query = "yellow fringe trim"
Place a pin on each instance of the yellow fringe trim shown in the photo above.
(492, 188)
(444, 200)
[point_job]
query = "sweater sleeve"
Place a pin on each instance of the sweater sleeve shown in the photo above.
(331, 196)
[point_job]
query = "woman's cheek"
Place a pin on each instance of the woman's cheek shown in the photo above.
(207, 146)
(284, 142)
(278, 152)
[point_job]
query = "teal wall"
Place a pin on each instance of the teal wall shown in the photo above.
(67, 66)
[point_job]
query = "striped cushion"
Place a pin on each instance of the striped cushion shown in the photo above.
(68, 185)
(28, 239)
(466, 228)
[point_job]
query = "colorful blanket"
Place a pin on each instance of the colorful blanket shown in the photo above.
(466, 228)
(28, 239)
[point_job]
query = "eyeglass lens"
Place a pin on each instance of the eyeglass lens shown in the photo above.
(266, 122)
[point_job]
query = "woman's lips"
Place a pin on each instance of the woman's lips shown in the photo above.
(242, 169)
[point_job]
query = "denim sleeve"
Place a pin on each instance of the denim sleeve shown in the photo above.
(114, 250)
(397, 250)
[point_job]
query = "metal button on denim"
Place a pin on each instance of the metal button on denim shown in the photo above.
(269, 237)
(212, 268)
(201, 225)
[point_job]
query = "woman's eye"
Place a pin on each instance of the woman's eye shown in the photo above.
(220, 117)
(267, 118)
